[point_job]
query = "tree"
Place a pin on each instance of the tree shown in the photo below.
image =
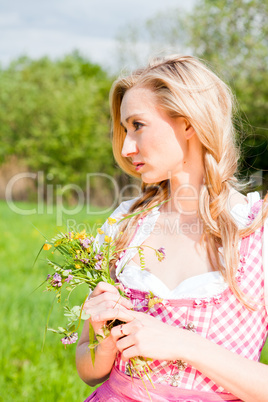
(232, 37)
(55, 117)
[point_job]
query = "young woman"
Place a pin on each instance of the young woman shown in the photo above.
(204, 327)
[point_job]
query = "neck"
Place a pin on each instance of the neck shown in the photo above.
(184, 195)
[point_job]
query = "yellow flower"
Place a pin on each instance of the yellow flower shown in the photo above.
(47, 246)
(77, 266)
(100, 231)
(111, 221)
(107, 239)
(81, 235)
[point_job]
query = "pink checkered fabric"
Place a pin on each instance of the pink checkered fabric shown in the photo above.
(221, 319)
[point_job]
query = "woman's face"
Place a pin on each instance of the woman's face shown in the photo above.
(155, 142)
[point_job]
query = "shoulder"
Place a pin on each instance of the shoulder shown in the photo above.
(110, 227)
(244, 208)
(123, 208)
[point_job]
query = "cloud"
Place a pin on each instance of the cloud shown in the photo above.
(39, 42)
(56, 27)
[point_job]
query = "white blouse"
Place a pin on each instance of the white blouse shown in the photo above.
(204, 285)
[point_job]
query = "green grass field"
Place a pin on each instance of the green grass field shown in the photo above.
(27, 373)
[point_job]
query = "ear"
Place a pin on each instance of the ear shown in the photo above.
(189, 130)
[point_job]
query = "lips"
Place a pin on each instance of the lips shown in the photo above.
(138, 165)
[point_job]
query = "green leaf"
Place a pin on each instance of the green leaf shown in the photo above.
(53, 330)
(92, 342)
(92, 347)
(99, 337)
(72, 328)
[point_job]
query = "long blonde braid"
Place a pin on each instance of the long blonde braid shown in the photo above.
(185, 87)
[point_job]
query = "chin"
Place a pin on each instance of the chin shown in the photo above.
(147, 179)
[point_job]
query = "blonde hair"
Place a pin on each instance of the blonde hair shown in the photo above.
(185, 87)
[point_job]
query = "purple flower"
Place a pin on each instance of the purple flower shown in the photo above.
(161, 254)
(67, 340)
(56, 281)
(48, 277)
(85, 243)
(99, 256)
(84, 260)
(70, 277)
(98, 266)
(162, 250)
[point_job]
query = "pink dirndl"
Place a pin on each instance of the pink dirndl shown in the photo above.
(222, 319)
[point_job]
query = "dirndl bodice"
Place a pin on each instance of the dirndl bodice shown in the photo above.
(222, 319)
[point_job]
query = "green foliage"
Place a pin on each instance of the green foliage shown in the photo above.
(264, 353)
(232, 36)
(55, 117)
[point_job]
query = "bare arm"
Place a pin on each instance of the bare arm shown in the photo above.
(244, 378)
(104, 359)
(104, 296)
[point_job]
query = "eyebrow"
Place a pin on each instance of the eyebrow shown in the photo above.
(129, 117)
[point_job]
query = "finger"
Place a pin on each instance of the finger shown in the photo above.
(103, 287)
(120, 286)
(115, 313)
(130, 352)
(111, 299)
(126, 329)
(125, 342)
(99, 308)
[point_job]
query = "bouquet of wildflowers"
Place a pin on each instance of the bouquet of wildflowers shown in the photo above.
(82, 262)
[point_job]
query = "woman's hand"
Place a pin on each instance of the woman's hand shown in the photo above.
(103, 298)
(143, 335)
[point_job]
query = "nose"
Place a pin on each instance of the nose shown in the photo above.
(129, 147)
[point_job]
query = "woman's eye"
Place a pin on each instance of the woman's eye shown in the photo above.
(137, 125)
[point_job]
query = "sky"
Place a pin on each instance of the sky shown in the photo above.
(56, 27)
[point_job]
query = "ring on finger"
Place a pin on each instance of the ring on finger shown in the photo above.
(121, 330)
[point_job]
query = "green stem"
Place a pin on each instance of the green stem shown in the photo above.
(80, 315)
(127, 248)
(144, 210)
(48, 316)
